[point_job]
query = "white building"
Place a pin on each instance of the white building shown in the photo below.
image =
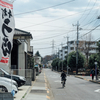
(37, 60)
(84, 46)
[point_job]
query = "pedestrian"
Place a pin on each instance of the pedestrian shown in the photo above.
(97, 73)
(93, 73)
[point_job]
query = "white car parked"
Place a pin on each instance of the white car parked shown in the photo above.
(9, 80)
(7, 87)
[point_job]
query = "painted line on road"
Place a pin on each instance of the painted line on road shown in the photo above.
(48, 91)
(47, 97)
(46, 87)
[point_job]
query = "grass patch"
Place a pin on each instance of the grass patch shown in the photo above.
(24, 95)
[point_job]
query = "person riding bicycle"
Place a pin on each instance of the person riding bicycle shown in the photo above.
(63, 76)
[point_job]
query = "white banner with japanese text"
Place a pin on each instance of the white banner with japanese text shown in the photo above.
(7, 26)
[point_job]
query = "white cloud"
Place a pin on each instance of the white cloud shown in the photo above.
(42, 31)
(25, 1)
(60, 12)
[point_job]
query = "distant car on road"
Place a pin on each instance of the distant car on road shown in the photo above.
(7, 87)
(19, 79)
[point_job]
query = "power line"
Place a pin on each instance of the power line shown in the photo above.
(97, 39)
(90, 11)
(69, 32)
(88, 23)
(53, 20)
(90, 31)
(54, 36)
(58, 30)
(46, 7)
(79, 37)
(85, 9)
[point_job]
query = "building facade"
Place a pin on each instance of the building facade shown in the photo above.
(21, 52)
(86, 47)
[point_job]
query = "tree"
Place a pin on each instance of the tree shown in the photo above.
(92, 60)
(98, 54)
(72, 60)
(98, 49)
(65, 63)
(85, 47)
(60, 65)
(46, 59)
(37, 53)
(30, 63)
(55, 63)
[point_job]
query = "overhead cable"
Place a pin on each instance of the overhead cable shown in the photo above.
(51, 20)
(55, 35)
(46, 7)
(89, 31)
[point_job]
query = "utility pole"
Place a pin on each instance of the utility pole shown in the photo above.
(62, 55)
(53, 48)
(58, 52)
(67, 55)
(77, 47)
(67, 52)
(52, 51)
(58, 58)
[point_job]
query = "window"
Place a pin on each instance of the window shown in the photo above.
(72, 48)
(1, 74)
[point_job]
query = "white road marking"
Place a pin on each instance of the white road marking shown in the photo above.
(58, 81)
(98, 90)
(53, 76)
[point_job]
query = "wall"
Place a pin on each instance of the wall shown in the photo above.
(21, 58)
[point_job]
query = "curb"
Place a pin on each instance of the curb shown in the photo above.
(28, 90)
(87, 79)
(94, 81)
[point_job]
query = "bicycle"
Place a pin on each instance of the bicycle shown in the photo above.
(63, 83)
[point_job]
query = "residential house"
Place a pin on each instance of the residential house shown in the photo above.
(21, 52)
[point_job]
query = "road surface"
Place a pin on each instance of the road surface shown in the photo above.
(76, 89)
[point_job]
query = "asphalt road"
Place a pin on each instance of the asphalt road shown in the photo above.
(76, 89)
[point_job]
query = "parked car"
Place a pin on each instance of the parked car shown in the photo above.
(7, 87)
(19, 79)
(9, 80)
(37, 69)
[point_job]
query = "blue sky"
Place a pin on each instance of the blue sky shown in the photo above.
(55, 23)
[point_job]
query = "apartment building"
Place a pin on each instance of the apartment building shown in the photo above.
(86, 47)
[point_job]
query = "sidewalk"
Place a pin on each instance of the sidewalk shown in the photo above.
(88, 78)
(21, 93)
(39, 89)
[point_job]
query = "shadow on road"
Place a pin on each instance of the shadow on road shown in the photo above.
(60, 88)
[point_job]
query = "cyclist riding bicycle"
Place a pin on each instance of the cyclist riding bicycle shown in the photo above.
(63, 77)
